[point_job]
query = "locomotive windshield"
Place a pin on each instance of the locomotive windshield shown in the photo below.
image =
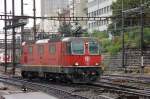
(77, 47)
(93, 47)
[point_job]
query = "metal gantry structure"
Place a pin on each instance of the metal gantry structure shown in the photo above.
(5, 22)
(12, 25)
(12, 18)
(141, 11)
(22, 14)
(123, 45)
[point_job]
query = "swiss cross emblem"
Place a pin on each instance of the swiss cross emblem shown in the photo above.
(87, 60)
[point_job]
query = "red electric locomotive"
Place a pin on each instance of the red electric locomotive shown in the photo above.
(75, 59)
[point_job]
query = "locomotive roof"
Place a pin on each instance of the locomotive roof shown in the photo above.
(65, 39)
(42, 41)
(68, 39)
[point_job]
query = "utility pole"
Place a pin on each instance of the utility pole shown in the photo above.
(142, 33)
(13, 37)
(123, 47)
(34, 25)
(5, 12)
(22, 27)
(73, 8)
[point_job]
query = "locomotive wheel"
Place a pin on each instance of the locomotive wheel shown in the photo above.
(30, 75)
(24, 74)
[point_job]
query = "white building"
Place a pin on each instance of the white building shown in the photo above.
(78, 8)
(51, 8)
(99, 8)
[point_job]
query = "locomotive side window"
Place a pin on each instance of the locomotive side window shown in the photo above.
(41, 49)
(52, 48)
(77, 47)
(93, 47)
(68, 48)
(30, 50)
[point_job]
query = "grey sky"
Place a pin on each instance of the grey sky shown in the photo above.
(28, 9)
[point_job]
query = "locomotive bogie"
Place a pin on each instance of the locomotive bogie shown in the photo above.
(64, 74)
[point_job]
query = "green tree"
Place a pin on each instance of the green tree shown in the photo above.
(131, 21)
(111, 46)
(131, 18)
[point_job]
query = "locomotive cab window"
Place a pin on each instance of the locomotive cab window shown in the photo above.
(77, 47)
(52, 48)
(93, 47)
(68, 48)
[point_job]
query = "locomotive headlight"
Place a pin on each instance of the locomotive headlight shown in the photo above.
(96, 64)
(76, 64)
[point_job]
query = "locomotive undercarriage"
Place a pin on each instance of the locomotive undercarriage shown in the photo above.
(71, 74)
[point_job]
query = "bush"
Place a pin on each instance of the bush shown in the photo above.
(107, 45)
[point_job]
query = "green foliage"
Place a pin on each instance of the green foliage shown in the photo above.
(132, 32)
(127, 4)
(147, 36)
(85, 34)
(107, 45)
(115, 45)
(113, 48)
(132, 38)
(100, 35)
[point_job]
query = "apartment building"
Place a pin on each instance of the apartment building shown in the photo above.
(99, 8)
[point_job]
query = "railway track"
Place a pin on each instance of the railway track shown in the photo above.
(141, 86)
(82, 91)
(137, 78)
(47, 88)
(124, 89)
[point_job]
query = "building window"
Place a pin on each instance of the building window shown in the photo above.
(101, 23)
(52, 48)
(41, 49)
(110, 8)
(88, 14)
(97, 13)
(94, 24)
(102, 10)
(94, 13)
(89, 25)
(106, 21)
(105, 9)
(97, 23)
